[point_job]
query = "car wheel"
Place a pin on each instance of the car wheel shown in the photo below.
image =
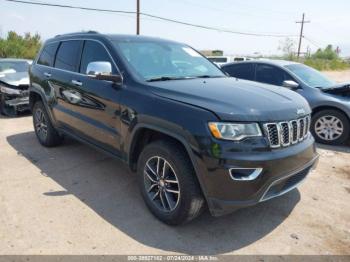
(168, 183)
(330, 127)
(44, 130)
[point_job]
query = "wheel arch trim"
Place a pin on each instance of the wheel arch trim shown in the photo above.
(43, 100)
(319, 108)
(181, 139)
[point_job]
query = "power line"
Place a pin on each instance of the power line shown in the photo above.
(235, 12)
(154, 16)
(312, 42)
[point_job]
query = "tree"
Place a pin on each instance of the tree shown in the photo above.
(328, 53)
(288, 48)
(17, 46)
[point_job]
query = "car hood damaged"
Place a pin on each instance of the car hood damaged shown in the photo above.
(15, 80)
(235, 100)
(342, 89)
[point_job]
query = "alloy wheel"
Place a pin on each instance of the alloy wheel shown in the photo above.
(329, 127)
(161, 184)
(40, 124)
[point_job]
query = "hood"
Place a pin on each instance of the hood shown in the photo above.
(235, 100)
(15, 79)
(342, 89)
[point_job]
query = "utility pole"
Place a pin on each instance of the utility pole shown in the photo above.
(302, 22)
(137, 17)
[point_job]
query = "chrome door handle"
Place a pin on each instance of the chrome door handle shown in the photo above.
(47, 74)
(77, 83)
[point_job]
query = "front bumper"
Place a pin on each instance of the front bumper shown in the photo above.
(16, 103)
(282, 170)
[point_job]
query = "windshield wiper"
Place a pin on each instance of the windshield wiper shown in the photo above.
(167, 78)
(208, 76)
(164, 78)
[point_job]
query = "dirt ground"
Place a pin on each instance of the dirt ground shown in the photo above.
(74, 200)
(339, 76)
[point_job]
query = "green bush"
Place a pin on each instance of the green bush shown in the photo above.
(17, 46)
(324, 64)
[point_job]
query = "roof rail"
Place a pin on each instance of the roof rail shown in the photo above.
(78, 33)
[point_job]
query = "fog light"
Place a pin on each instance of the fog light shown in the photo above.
(244, 174)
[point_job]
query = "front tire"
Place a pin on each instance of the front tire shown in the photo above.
(44, 130)
(168, 183)
(330, 127)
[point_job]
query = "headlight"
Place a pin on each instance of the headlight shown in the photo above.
(9, 91)
(234, 131)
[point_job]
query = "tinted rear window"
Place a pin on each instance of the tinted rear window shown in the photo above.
(242, 71)
(47, 56)
(270, 74)
(68, 54)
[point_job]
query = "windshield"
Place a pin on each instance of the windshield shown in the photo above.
(310, 76)
(166, 61)
(8, 67)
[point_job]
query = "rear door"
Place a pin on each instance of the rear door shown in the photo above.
(241, 70)
(62, 77)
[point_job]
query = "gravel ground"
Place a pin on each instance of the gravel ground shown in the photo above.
(75, 200)
(339, 76)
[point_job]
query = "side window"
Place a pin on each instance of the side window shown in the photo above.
(270, 75)
(93, 52)
(242, 71)
(47, 56)
(68, 54)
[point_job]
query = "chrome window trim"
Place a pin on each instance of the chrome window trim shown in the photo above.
(77, 39)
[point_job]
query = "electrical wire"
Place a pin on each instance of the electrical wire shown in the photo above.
(155, 17)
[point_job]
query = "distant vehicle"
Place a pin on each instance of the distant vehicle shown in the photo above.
(222, 60)
(241, 58)
(329, 101)
(14, 83)
(196, 137)
(219, 60)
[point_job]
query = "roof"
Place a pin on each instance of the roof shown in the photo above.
(113, 37)
(267, 61)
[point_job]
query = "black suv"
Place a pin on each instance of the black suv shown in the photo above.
(195, 136)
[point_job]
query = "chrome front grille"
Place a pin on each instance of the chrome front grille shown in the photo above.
(282, 134)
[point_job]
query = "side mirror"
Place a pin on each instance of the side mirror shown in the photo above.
(291, 84)
(102, 71)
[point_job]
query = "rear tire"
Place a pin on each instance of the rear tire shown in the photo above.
(164, 167)
(330, 127)
(44, 130)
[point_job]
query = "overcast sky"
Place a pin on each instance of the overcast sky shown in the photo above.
(330, 21)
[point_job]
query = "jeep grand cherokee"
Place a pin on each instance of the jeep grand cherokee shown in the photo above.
(194, 136)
